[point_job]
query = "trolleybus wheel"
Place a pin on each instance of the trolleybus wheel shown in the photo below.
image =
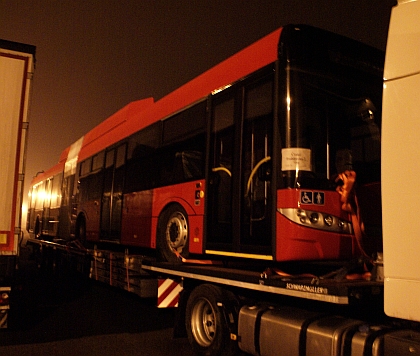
(172, 233)
(207, 315)
(81, 229)
(37, 230)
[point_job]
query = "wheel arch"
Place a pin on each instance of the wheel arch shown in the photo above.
(38, 227)
(195, 220)
(159, 210)
(81, 215)
(160, 207)
(80, 219)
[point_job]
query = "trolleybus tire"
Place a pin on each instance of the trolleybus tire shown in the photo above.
(206, 321)
(80, 232)
(37, 230)
(172, 233)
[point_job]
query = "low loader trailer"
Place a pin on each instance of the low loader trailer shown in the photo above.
(229, 306)
(234, 198)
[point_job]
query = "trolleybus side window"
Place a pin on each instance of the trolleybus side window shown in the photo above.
(168, 152)
(183, 145)
(56, 191)
(141, 173)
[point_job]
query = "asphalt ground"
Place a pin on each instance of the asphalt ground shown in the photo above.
(68, 314)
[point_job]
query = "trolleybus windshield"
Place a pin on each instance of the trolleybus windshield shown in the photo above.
(330, 126)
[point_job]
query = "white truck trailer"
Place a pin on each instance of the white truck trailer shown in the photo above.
(16, 73)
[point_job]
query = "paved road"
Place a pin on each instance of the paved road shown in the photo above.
(70, 315)
(147, 343)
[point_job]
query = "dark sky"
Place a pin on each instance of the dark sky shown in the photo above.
(96, 56)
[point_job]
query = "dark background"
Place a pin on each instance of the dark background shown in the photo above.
(61, 312)
(94, 57)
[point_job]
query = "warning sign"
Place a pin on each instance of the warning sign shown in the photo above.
(306, 197)
(309, 197)
(319, 198)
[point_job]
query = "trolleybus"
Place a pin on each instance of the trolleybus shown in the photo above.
(242, 161)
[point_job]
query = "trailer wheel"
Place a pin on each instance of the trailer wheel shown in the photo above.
(172, 233)
(207, 316)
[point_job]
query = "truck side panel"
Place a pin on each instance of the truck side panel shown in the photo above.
(400, 166)
(16, 69)
(14, 94)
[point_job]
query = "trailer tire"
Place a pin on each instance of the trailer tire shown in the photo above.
(172, 233)
(207, 318)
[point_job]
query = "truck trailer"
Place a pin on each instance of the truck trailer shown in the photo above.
(266, 199)
(16, 73)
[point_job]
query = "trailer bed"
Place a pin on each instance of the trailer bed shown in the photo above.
(331, 290)
(327, 281)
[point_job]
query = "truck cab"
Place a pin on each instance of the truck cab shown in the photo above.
(400, 168)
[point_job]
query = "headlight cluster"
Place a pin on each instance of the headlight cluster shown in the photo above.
(4, 298)
(317, 220)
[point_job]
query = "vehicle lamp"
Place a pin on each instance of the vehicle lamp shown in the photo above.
(4, 298)
(317, 220)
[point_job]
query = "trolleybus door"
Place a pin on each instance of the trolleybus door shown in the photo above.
(256, 167)
(256, 176)
(221, 176)
(239, 191)
(112, 195)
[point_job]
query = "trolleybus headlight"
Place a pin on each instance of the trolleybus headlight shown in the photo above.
(314, 218)
(300, 212)
(4, 298)
(328, 219)
(302, 215)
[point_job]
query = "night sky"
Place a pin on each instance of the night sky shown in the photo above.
(94, 57)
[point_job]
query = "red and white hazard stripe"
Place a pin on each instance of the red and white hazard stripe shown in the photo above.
(168, 293)
(3, 319)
